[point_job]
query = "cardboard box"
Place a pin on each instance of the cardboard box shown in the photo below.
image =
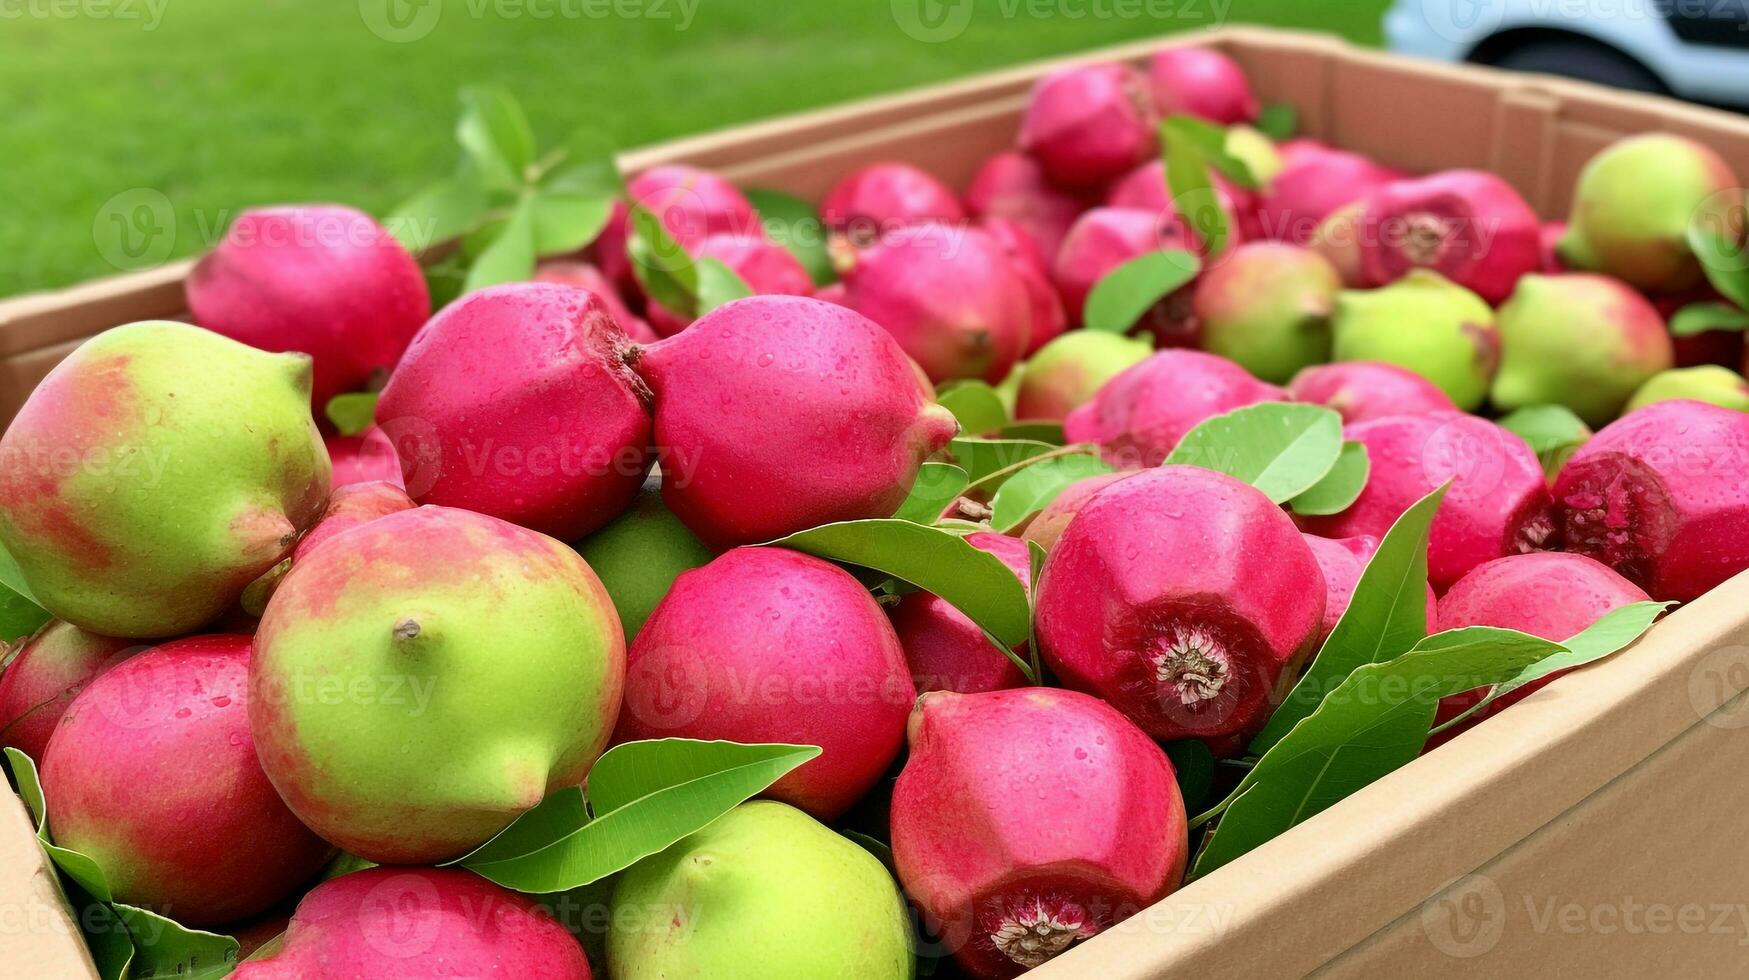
(1598, 829)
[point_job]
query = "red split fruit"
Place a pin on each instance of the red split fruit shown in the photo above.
(1026, 821)
(1315, 180)
(1468, 225)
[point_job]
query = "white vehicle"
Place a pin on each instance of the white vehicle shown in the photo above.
(1694, 49)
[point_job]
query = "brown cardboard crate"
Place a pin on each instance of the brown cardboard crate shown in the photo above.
(1600, 828)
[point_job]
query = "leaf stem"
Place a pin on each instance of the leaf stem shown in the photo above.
(1011, 469)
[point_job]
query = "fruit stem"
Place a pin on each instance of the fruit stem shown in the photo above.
(1194, 663)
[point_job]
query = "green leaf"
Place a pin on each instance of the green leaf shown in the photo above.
(587, 166)
(557, 816)
(1127, 292)
(510, 257)
(439, 213)
(1210, 144)
(1193, 192)
(936, 487)
(1194, 766)
(984, 459)
(718, 284)
(162, 948)
(1280, 448)
(793, 223)
(1552, 431)
(111, 945)
(353, 412)
(976, 405)
(445, 278)
(646, 796)
(1034, 431)
(1028, 491)
(12, 577)
(496, 136)
(1340, 487)
(1612, 631)
(665, 269)
(1717, 241)
(971, 580)
(1278, 121)
(1386, 616)
(1698, 318)
(84, 871)
(567, 222)
(19, 617)
(1373, 722)
(576, 194)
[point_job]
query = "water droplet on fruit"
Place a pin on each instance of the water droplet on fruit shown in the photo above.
(221, 702)
(766, 359)
(183, 712)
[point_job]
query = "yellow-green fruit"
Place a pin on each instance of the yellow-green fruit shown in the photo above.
(1425, 323)
(1710, 383)
(1267, 306)
(1634, 203)
(1256, 151)
(638, 556)
(1067, 371)
(764, 893)
(155, 473)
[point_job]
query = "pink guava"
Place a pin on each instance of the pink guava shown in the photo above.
(350, 506)
(42, 674)
(1201, 82)
(1145, 188)
(1069, 371)
(1360, 391)
(1048, 319)
(1012, 185)
(363, 458)
(1139, 416)
(390, 923)
(1089, 124)
(947, 651)
(771, 645)
(1468, 225)
(880, 197)
(1267, 307)
(1049, 523)
(517, 402)
(322, 279)
(950, 295)
(692, 205)
(1498, 503)
(587, 277)
(1658, 495)
(785, 414)
(1547, 594)
(765, 266)
(1105, 238)
(1199, 633)
(152, 773)
(1314, 181)
(1025, 821)
(1342, 560)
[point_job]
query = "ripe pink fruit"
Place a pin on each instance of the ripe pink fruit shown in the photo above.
(152, 773)
(771, 645)
(350, 506)
(584, 276)
(1315, 180)
(363, 458)
(1498, 503)
(1139, 416)
(1012, 185)
(785, 414)
(1145, 188)
(1342, 560)
(1048, 319)
(1468, 225)
(765, 266)
(322, 279)
(1089, 124)
(1105, 238)
(1547, 594)
(1202, 83)
(880, 197)
(1027, 820)
(1360, 391)
(946, 650)
(693, 203)
(1049, 523)
(951, 296)
(517, 402)
(387, 923)
(43, 673)
(1658, 495)
(1198, 634)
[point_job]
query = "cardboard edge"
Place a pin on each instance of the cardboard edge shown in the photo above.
(38, 935)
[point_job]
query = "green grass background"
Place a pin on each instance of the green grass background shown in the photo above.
(221, 104)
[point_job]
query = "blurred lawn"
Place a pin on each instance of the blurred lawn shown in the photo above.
(219, 104)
